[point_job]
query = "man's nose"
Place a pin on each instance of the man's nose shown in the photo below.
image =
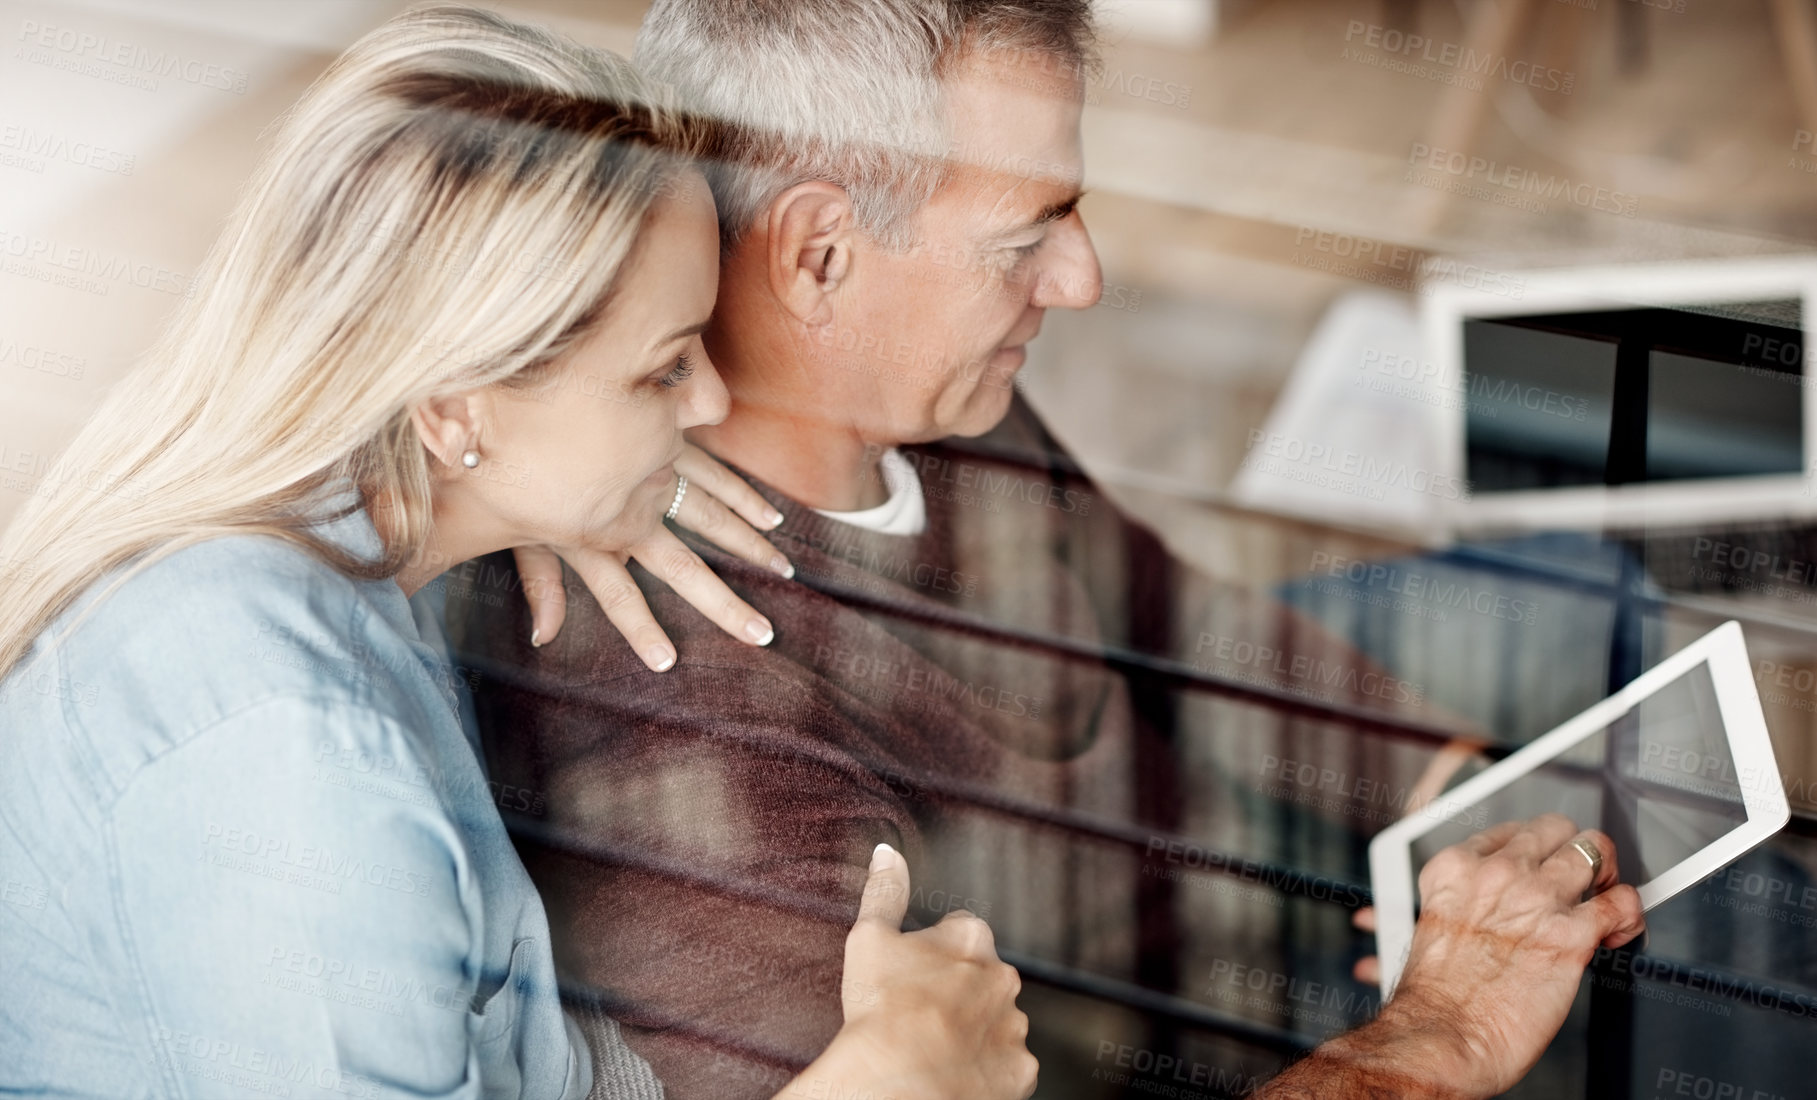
(1069, 276)
(704, 399)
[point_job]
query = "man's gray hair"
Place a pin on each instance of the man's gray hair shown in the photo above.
(841, 90)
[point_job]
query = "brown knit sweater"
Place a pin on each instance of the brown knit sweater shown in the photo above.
(700, 836)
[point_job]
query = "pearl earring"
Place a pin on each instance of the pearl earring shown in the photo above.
(470, 459)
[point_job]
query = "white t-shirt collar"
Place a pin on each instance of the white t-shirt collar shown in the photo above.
(904, 513)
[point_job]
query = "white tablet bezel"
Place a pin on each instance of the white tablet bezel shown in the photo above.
(1756, 770)
(1446, 306)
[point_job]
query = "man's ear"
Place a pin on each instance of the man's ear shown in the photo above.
(450, 425)
(810, 234)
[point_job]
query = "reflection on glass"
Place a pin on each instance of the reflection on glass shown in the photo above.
(1711, 419)
(1538, 407)
(1619, 396)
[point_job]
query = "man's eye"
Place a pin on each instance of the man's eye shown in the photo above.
(1026, 250)
(678, 374)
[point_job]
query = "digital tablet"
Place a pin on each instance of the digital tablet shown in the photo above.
(1676, 767)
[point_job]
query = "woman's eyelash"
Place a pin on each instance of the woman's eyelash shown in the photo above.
(684, 367)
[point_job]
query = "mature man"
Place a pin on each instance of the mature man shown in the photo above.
(899, 205)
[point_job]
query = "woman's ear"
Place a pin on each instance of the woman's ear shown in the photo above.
(810, 237)
(450, 425)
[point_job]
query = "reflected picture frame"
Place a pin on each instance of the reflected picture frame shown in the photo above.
(1448, 306)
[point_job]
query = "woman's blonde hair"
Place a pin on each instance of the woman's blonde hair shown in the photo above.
(447, 207)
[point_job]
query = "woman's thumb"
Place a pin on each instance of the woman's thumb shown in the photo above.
(886, 891)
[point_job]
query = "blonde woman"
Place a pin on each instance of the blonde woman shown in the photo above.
(246, 844)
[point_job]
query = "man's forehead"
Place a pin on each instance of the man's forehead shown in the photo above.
(1013, 128)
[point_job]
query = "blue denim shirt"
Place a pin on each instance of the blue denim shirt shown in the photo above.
(247, 848)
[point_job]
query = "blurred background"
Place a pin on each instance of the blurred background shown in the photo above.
(1231, 147)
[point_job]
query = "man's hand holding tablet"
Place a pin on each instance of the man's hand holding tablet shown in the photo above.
(1678, 762)
(1497, 956)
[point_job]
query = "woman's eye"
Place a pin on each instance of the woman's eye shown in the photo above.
(680, 372)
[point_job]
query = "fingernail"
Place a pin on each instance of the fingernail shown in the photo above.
(883, 857)
(659, 657)
(760, 632)
(781, 565)
(536, 637)
(775, 518)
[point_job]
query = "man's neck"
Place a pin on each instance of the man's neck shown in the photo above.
(806, 457)
(784, 426)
